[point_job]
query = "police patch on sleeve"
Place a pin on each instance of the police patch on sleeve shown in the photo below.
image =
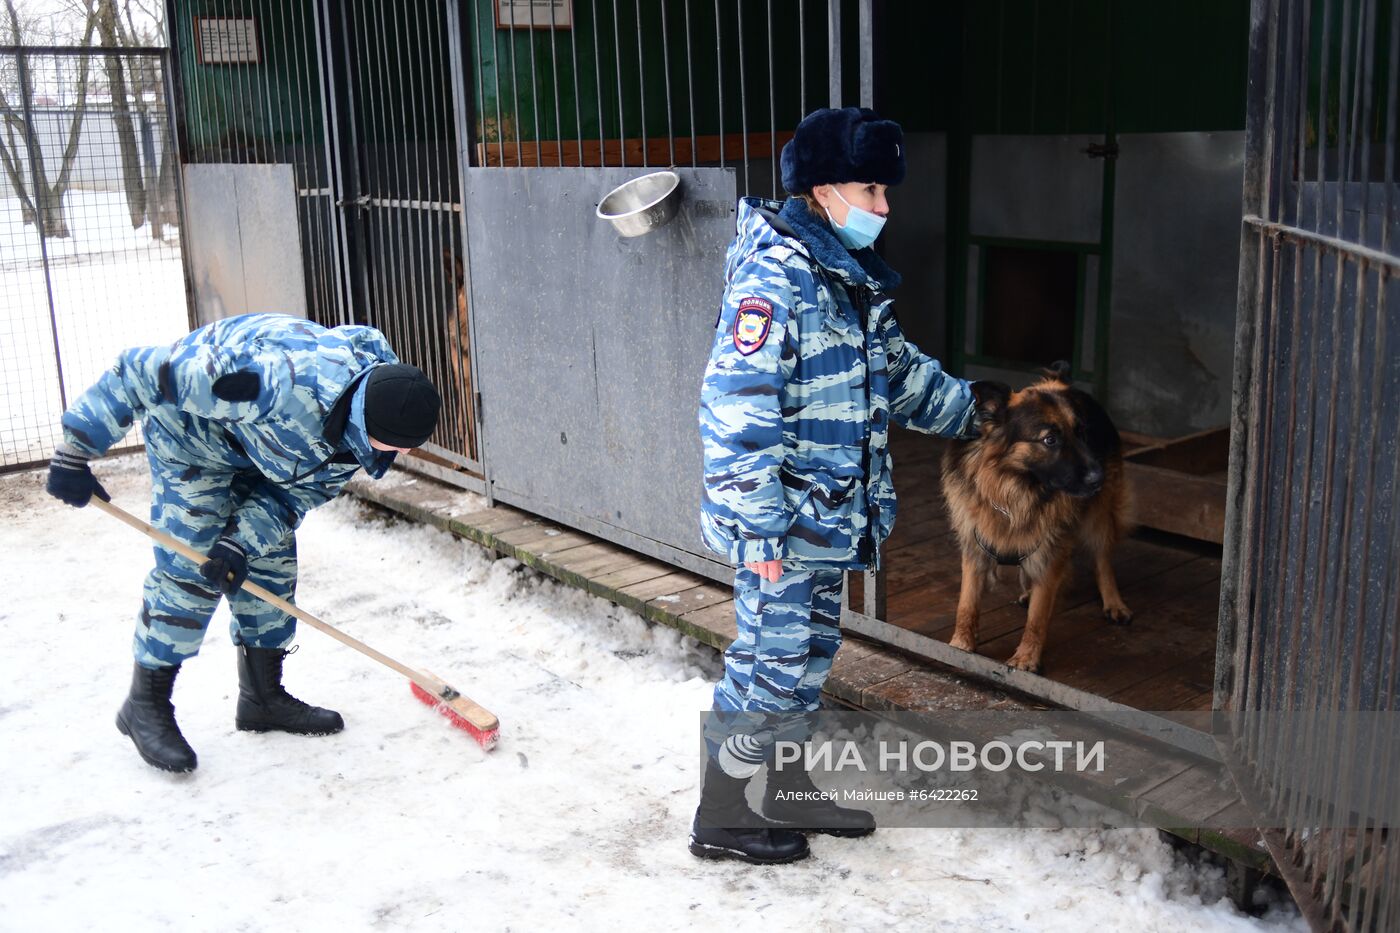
(751, 324)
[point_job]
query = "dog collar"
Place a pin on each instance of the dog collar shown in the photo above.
(1006, 560)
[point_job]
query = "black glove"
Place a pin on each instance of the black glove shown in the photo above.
(71, 480)
(227, 566)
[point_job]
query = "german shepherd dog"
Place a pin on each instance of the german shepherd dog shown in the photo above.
(1045, 474)
(459, 363)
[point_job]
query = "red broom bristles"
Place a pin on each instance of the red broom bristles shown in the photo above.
(486, 738)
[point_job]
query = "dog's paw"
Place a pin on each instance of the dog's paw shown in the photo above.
(1118, 614)
(963, 642)
(1024, 660)
(1024, 600)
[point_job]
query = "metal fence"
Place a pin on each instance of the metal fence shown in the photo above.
(90, 254)
(360, 99)
(1309, 604)
(626, 83)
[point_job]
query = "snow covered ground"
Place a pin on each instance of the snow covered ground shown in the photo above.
(577, 820)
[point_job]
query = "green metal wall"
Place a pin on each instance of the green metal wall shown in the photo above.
(241, 113)
(259, 112)
(546, 102)
(1044, 66)
(1026, 66)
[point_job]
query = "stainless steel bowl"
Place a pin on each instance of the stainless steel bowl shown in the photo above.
(642, 204)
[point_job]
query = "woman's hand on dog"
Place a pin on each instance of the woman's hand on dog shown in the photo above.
(769, 570)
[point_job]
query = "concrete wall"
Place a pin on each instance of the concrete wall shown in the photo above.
(1176, 242)
(97, 165)
(914, 241)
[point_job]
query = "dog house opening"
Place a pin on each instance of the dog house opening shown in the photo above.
(1030, 297)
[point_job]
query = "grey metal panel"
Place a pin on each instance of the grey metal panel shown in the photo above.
(273, 278)
(914, 242)
(212, 243)
(1175, 269)
(591, 347)
(1036, 188)
(244, 247)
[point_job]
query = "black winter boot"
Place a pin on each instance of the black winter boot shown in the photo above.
(722, 805)
(794, 801)
(148, 718)
(264, 706)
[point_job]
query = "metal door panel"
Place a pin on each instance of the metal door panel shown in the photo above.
(1175, 267)
(1036, 188)
(591, 348)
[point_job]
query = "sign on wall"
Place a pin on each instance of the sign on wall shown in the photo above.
(534, 14)
(226, 40)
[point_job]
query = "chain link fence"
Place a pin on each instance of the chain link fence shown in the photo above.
(90, 232)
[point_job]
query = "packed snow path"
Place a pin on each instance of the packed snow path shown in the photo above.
(578, 819)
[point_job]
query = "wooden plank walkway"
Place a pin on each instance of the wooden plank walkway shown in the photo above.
(864, 676)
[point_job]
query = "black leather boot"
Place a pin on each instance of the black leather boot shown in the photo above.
(264, 706)
(722, 809)
(794, 801)
(148, 717)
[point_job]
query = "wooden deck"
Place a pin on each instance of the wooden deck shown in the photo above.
(871, 676)
(1164, 660)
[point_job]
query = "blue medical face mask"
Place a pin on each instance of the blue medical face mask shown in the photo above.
(862, 227)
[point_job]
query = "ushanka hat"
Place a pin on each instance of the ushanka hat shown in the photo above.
(835, 146)
(401, 405)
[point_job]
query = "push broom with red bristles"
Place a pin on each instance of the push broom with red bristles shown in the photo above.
(470, 717)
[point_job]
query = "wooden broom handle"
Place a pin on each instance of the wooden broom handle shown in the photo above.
(184, 550)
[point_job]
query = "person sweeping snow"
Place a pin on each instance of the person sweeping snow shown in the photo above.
(808, 368)
(249, 423)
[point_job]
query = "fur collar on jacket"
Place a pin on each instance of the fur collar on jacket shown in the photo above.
(863, 267)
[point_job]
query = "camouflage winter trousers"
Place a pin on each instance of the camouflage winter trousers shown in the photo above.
(193, 504)
(788, 635)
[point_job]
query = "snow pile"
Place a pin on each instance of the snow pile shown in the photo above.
(578, 819)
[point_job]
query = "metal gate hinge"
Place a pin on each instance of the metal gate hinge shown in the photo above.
(479, 419)
(1101, 150)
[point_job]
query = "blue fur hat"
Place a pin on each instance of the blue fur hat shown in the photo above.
(850, 144)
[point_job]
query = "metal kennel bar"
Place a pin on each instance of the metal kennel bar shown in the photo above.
(1308, 621)
(356, 103)
(644, 66)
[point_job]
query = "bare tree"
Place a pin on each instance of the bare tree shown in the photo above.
(108, 23)
(20, 150)
(146, 27)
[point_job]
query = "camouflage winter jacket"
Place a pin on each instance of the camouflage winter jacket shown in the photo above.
(303, 432)
(809, 366)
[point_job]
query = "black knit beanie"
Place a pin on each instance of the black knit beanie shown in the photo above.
(401, 405)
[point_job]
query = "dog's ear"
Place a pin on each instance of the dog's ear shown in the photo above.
(1059, 371)
(990, 400)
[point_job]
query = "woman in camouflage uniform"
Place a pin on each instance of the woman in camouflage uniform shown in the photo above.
(808, 369)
